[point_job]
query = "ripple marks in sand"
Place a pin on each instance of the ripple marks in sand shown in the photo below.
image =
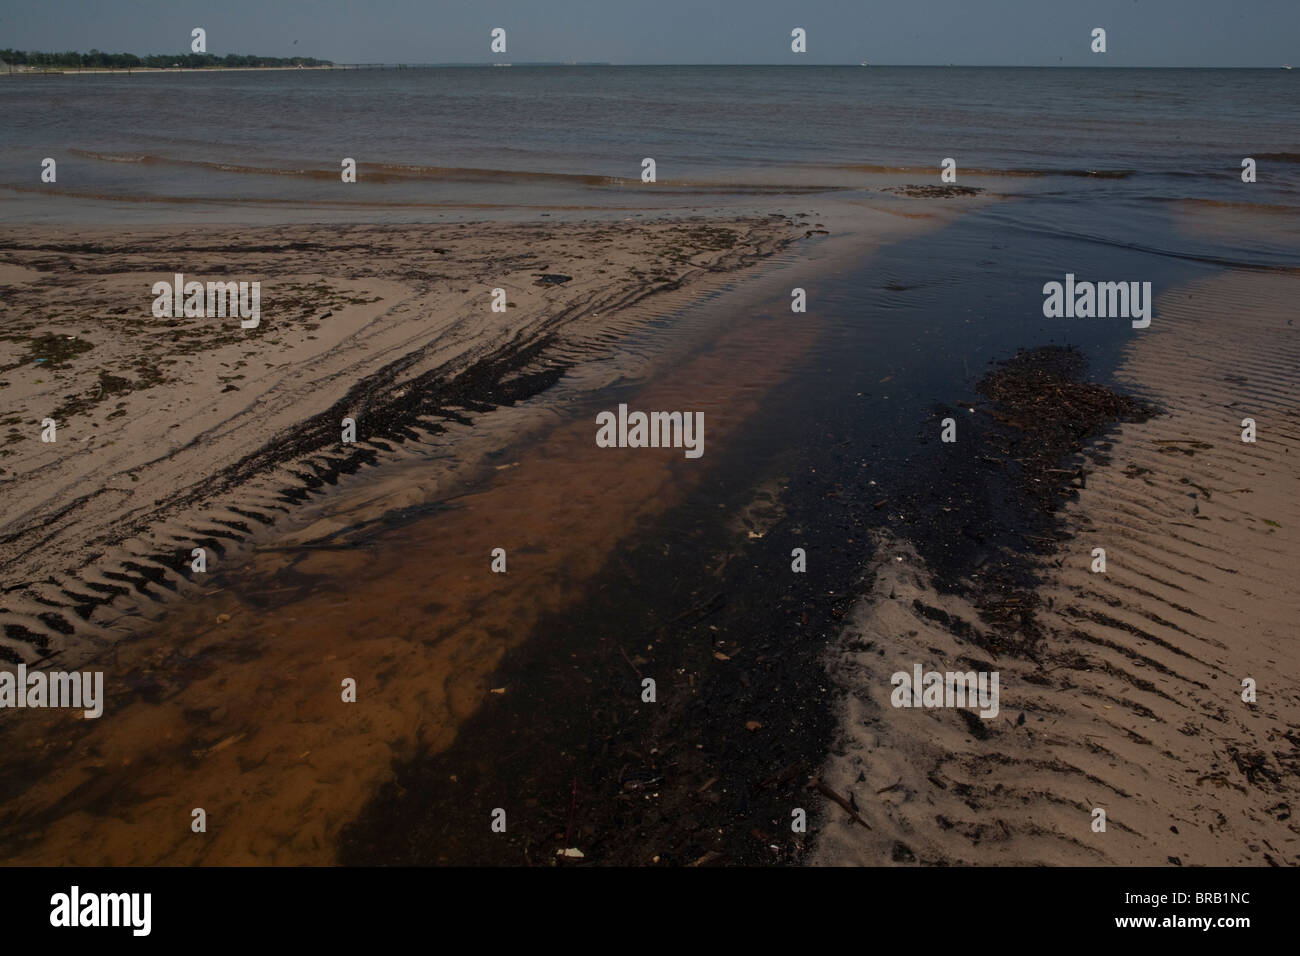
(1135, 702)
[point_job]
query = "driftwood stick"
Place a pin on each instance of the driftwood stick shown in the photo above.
(815, 783)
(629, 661)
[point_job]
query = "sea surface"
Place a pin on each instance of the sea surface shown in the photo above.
(463, 141)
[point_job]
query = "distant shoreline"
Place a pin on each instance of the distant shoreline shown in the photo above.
(37, 71)
(175, 69)
(249, 69)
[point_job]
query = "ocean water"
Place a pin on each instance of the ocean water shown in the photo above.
(465, 142)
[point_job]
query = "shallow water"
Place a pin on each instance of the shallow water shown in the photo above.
(462, 142)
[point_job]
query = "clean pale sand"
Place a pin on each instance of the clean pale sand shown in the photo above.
(1137, 707)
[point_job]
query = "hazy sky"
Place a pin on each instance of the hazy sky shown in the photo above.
(976, 32)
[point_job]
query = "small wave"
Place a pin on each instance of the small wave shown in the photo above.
(114, 157)
(1091, 173)
(310, 202)
(1227, 204)
(152, 159)
(1187, 255)
(400, 173)
(496, 175)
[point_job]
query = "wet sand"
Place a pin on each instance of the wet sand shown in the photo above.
(231, 702)
(478, 690)
(187, 432)
(1132, 698)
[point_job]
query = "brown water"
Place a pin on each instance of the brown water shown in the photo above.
(233, 702)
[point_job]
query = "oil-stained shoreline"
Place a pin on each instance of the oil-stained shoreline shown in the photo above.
(710, 773)
(191, 694)
(740, 737)
(523, 691)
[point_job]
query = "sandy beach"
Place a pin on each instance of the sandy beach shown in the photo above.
(196, 432)
(186, 432)
(1120, 690)
(441, 441)
(359, 571)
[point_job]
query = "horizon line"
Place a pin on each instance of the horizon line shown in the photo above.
(976, 66)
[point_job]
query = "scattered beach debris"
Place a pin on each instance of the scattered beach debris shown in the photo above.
(1040, 395)
(218, 747)
(1253, 764)
(946, 191)
(815, 783)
